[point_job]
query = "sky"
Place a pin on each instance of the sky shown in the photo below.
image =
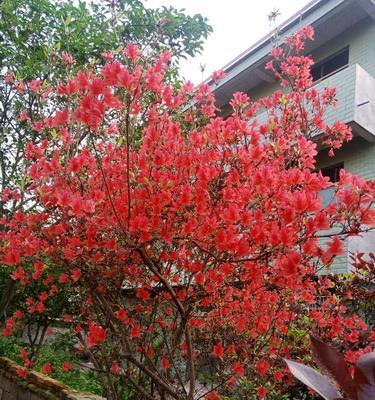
(237, 24)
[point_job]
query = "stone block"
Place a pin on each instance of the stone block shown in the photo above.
(8, 396)
(36, 386)
(5, 383)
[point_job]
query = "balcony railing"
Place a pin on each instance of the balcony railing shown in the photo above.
(356, 100)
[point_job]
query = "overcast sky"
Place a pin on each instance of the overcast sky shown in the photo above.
(237, 24)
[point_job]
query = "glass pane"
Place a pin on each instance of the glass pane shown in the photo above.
(316, 72)
(333, 172)
(327, 196)
(336, 62)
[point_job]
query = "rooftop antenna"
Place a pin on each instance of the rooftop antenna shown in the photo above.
(202, 68)
(274, 30)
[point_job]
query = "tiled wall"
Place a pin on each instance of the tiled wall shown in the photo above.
(359, 158)
(358, 155)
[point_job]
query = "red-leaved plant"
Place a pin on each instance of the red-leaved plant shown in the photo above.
(360, 386)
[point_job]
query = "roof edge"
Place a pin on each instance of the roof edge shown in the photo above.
(280, 28)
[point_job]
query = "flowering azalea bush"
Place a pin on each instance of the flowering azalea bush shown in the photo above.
(191, 241)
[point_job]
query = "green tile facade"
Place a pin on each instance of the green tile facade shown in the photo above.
(355, 85)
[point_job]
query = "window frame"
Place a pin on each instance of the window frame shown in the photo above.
(340, 165)
(326, 60)
(325, 200)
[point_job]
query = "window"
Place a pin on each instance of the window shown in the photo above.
(333, 174)
(330, 64)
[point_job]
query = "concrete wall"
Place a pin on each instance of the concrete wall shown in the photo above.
(35, 386)
(364, 102)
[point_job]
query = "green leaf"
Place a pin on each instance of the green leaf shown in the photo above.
(68, 20)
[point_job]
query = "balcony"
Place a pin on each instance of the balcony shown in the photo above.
(356, 100)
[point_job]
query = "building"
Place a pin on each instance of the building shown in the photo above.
(344, 55)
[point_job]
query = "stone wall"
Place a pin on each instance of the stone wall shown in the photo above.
(35, 387)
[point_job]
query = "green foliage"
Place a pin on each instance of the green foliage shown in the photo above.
(32, 30)
(13, 296)
(56, 352)
(10, 347)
